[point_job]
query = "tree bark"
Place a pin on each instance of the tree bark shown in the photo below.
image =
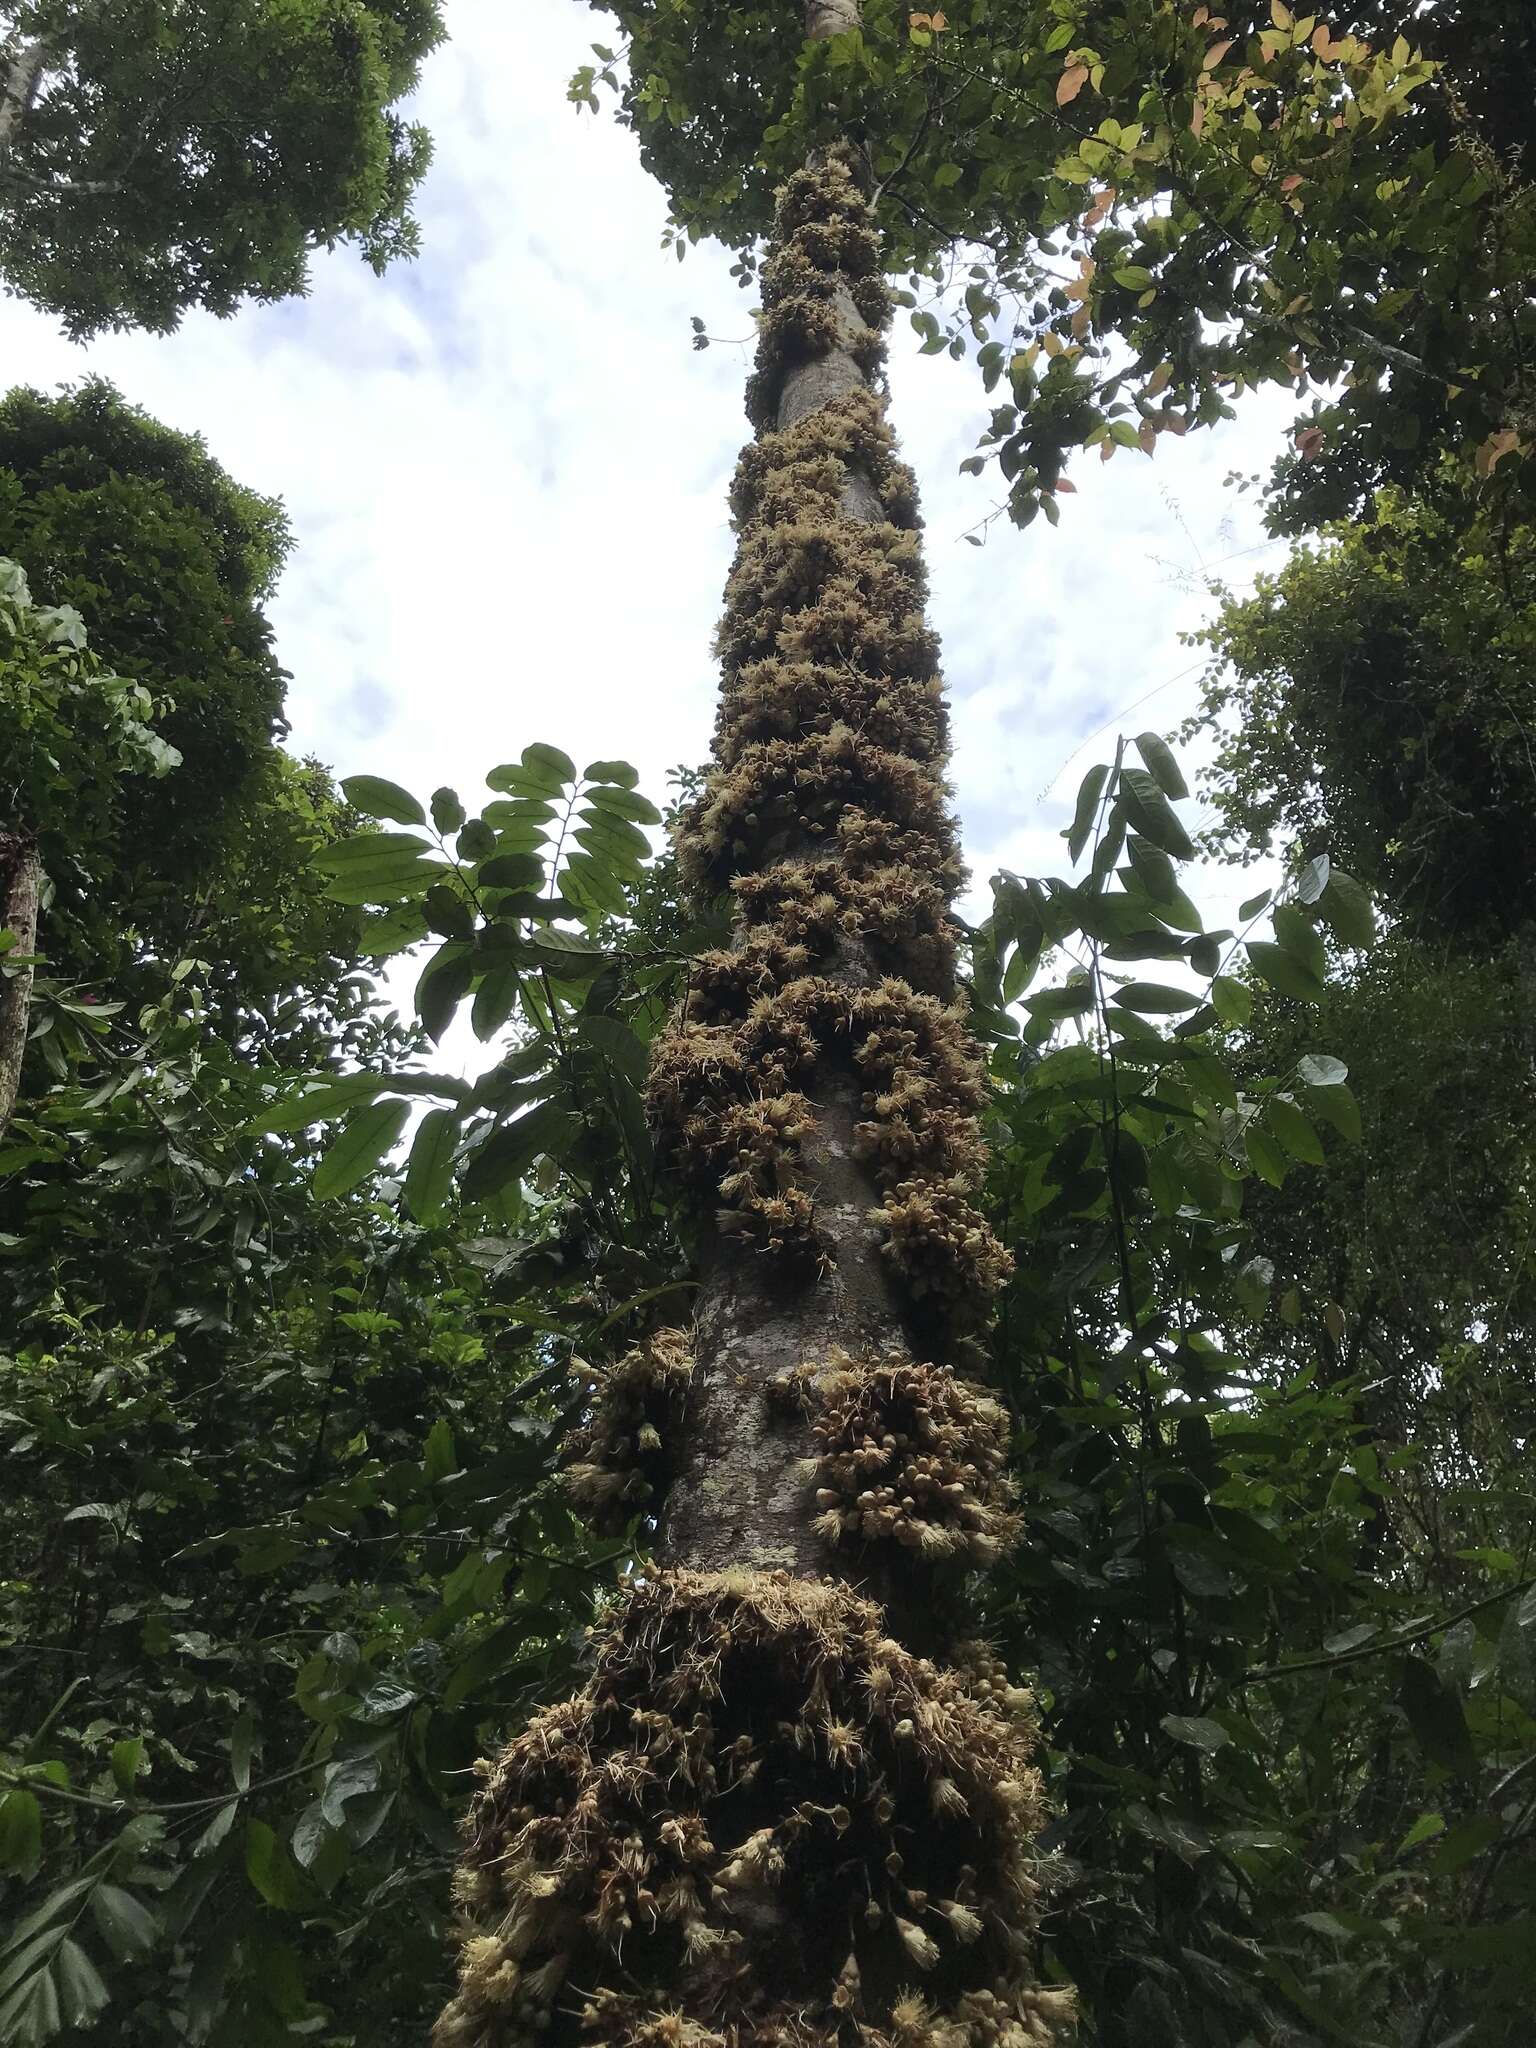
(830, 18)
(20, 877)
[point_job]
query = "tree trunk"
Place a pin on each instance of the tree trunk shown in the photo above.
(769, 1818)
(19, 880)
(23, 74)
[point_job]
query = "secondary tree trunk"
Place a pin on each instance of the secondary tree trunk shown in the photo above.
(23, 74)
(769, 1818)
(19, 880)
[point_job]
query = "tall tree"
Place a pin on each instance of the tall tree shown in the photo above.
(1129, 212)
(769, 1815)
(171, 561)
(155, 157)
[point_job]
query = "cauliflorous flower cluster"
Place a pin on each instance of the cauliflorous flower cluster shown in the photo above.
(728, 1096)
(762, 1821)
(619, 1461)
(824, 267)
(908, 1454)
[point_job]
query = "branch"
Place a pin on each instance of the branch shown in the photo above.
(1402, 1642)
(69, 188)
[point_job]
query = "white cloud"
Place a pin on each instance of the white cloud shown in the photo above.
(506, 470)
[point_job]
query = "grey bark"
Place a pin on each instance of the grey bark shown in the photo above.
(740, 1497)
(20, 877)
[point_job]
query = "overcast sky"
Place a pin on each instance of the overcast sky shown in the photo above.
(505, 467)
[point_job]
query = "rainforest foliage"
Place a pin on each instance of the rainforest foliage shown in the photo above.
(155, 158)
(301, 1332)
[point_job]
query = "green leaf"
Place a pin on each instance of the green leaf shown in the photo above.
(30, 2014)
(494, 1656)
(273, 1872)
(1088, 794)
(126, 1759)
(448, 914)
(27, 1951)
(125, 1923)
(1424, 1828)
(510, 1151)
(568, 952)
(1313, 879)
(1232, 1000)
(616, 835)
(377, 867)
(335, 1098)
(1165, 1180)
(1462, 1844)
(1321, 1070)
(1265, 1156)
(55, 1904)
(439, 1457)
(21, 1833)
(359, 1146)
(1196, 1730)
(1153, 868)
(1296, 932)
(557, 768)
(377, 798)
(624, 803)
(1252, 1283)
(1075, 1000)
(365, 847)
(1208, 1076)
(589, 882)
(476, 839)
(310, 1837)
(1347, 907)
(495, 1000)
(242, 1741)
(1294, 1132)
(1283, 971)
(392, 879)
(1155, 750)
(618, 1046)
(448, 814)
(1152, 815)
(1336, 1105)
(429, 1175)
(1154, 999)
(317, 1105)
(443, 984)
(82, 1994)
(512, 871)
(387, 932)
(1435, 1715)
(1254, 905)
(216, 1830)
(524, 786)
(611, 771)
